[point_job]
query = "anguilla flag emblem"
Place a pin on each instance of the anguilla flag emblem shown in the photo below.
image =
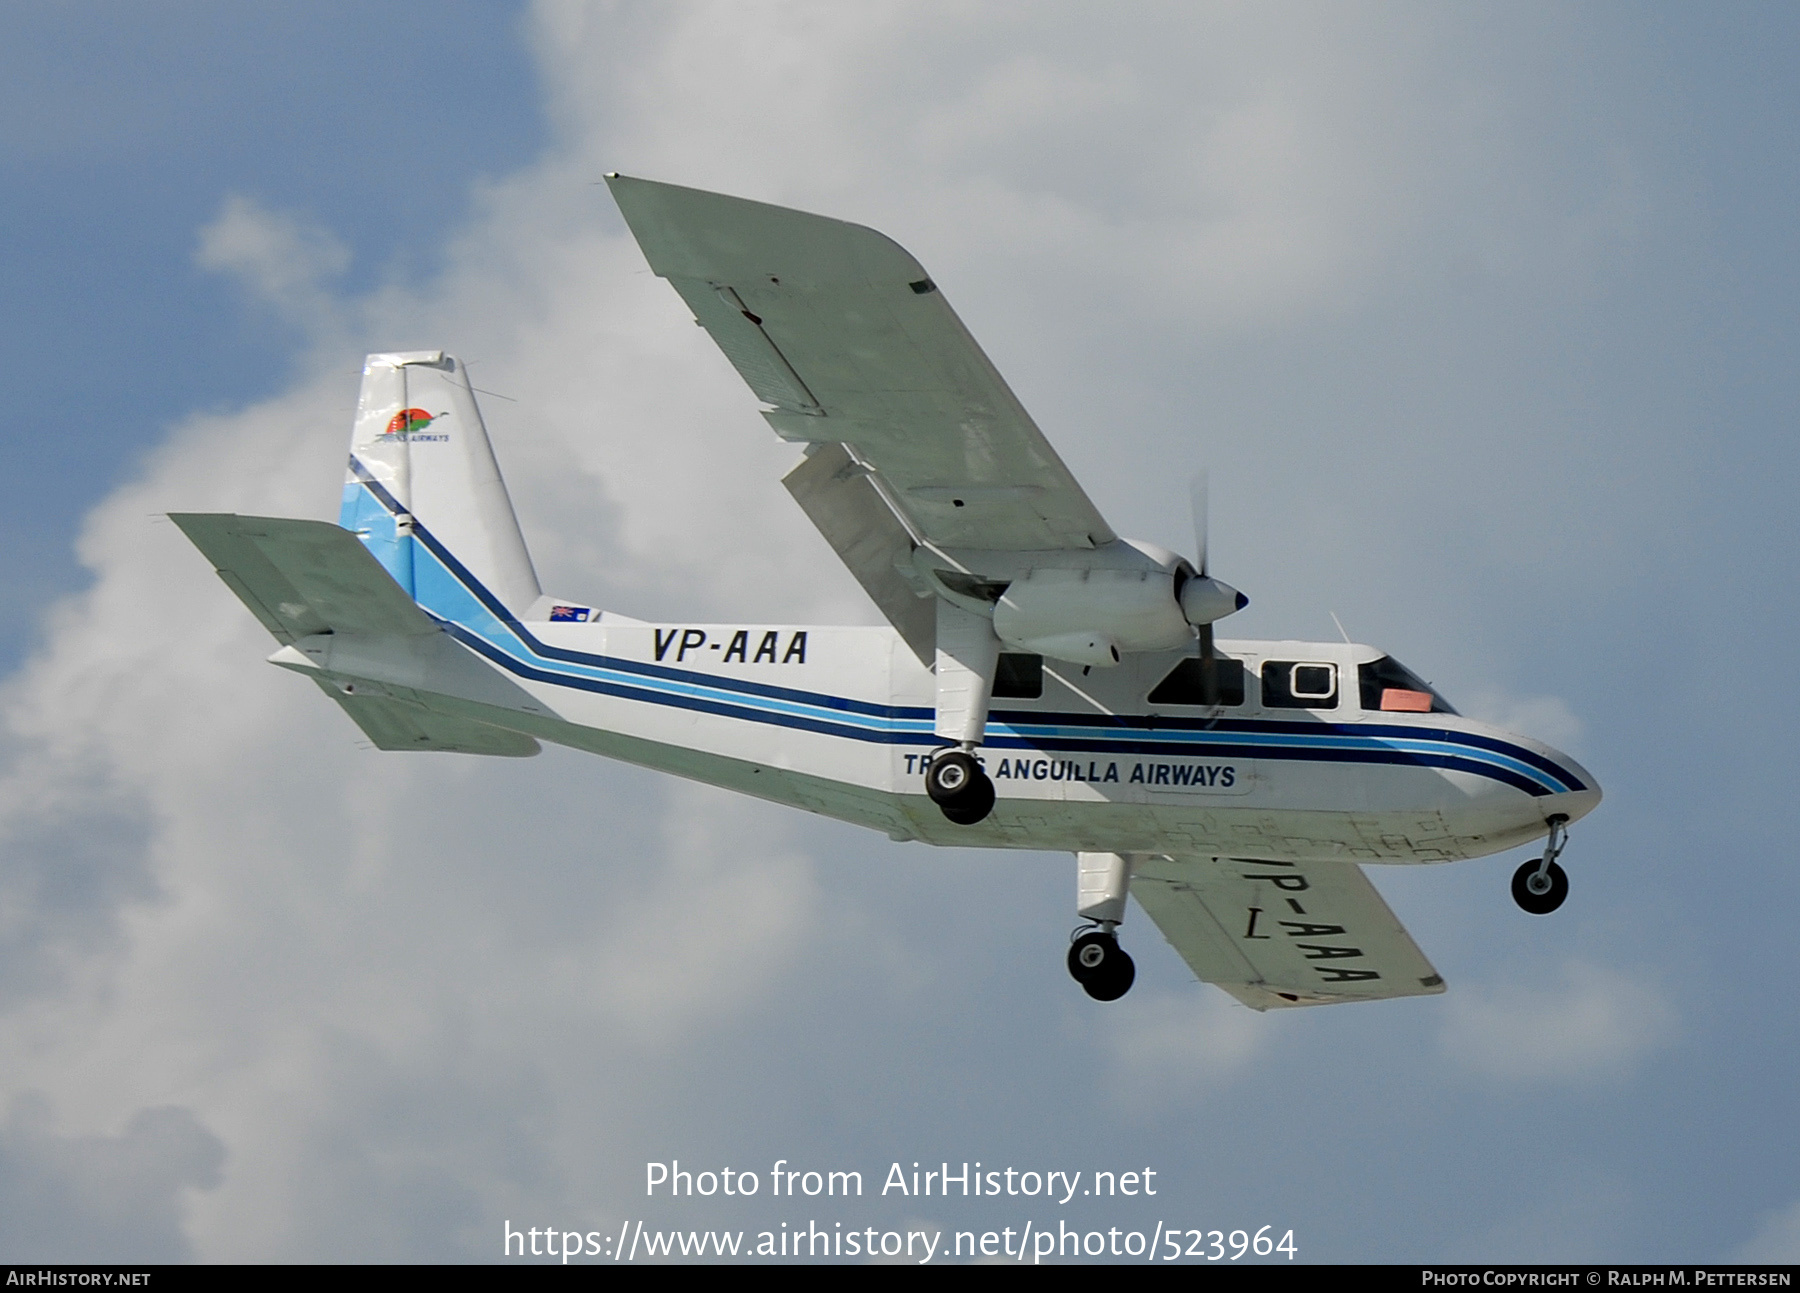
(570, 614)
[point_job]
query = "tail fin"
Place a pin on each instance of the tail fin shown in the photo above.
(420, 461)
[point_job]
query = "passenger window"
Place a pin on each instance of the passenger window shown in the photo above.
(1019, 677)
(1314, 681)
(1187, 683)
(1288, 684)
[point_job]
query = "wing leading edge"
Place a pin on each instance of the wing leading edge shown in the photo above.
(844, 333)
(1279, 934)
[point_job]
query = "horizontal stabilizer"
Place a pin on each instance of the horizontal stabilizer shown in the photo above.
(392, 725)
(1277, 934)
(837, 496)
(304, 577)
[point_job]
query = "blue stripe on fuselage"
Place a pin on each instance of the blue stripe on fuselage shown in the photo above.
(451, 593)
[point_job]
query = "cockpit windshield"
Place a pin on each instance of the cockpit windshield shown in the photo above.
(1388, 685)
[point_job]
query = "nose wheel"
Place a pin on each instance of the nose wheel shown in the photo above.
(1103, 969)
(959, 787)
(1540, 886)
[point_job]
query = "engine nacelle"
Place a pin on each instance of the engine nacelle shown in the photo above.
(1092, 617)
(1076, 648)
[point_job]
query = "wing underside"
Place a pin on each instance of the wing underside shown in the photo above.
(1278, 934)
(844, 334)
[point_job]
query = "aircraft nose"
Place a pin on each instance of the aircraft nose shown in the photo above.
(1581, 799)
(1574, 804)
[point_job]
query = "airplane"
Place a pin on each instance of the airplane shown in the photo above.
(1042, 683)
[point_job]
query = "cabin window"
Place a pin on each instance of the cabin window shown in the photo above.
(1187, 683)
(1389, 686)
(1019, 676)
(1290, 684)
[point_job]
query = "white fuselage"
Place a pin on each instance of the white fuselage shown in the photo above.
(839, 721)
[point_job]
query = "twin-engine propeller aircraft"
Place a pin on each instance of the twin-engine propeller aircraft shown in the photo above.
(1045, 683)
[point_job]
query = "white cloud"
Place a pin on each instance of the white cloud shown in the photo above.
(1593, 1023)
(1572, 1212)
(101, 1198)
(1548, 718)
(333, 958)
(278, 256)
(1777, 1239)
(1165, 1049)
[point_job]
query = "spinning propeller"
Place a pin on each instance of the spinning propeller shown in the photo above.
(1203, 598)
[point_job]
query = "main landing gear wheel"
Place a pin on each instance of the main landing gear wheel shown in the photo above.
(959, 787)
(1103, 969)
(1540, 889)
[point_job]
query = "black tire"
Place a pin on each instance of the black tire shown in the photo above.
(950, 776)
(959, 787)
(974, 806)
(1116, 981)
(1539, 904)
(1104, 970)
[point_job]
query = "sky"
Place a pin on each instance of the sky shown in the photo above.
(1481, 319)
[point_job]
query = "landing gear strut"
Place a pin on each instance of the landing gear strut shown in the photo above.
(1103, 969)
(1540, 886)
(959, 787)
(967, 655)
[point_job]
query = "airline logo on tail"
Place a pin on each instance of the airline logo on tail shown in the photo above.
(408, 424)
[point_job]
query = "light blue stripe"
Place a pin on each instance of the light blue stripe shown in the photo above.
(440, 592)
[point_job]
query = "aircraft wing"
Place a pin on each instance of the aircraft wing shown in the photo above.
(845, 334)
(1278, 934)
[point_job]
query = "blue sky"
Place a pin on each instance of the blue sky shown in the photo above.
(1481, 320)
(125, 128)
